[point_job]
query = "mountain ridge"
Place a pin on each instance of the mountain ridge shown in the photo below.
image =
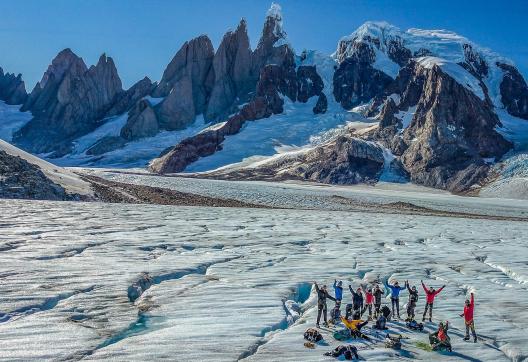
(222, 87)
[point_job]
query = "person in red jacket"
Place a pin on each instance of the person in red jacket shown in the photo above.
(430, 294)
(469, 307)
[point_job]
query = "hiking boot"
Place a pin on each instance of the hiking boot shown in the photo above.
(317, 325)
(325, 324)
(430, 320)
(475, 340)
(423, 319)
(466, 338)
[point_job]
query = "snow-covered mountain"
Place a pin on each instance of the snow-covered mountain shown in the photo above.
(427, 106)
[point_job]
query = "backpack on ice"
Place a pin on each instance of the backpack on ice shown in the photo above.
(414, 325)
(313, 335)
(335, 313)
(393, 342)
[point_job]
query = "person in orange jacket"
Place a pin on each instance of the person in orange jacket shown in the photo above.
(440, 339)
(430, 294)
(469, 307)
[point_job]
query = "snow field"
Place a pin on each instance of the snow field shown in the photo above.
(223, 281)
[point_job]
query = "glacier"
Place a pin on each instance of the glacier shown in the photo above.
(225, 284)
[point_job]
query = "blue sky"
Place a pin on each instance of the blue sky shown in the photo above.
(142, 36)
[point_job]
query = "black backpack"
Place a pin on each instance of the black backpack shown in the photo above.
(393, 342)
(335, 313)
(313, 335)
(385, 311)
(414, 325)
(350, 352)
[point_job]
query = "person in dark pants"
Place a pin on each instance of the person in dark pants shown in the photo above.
(430, 294)
(413, 299)
(395, 298)
(369, 302)
(378, 293)
(357, 300)
(338, 293)
(322, 294)
(469, 307)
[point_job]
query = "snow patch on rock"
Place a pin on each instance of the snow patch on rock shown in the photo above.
(455, 71)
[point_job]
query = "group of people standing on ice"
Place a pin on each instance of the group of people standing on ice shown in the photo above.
(370, 299)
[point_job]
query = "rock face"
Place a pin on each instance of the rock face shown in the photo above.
(346, 160)
(106, 144)
(12, 88)
(209, 141)
(235, 67)
(272, 47)
(309, 83)
(142, 122)
(186, 84)
(514, 91)
(356, 81)
(131, 96)
(73, 100)
(451, 133)
(68, 102)
(20, 179)
(232, 72)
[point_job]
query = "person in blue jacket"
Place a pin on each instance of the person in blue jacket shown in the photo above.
(395, 298)
(338, 292)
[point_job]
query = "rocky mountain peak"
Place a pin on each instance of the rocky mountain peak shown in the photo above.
(448, 132)
(232, 74)
(69, 102)
(12, 88)
(192, 60)
(65, 61)
(273, 26)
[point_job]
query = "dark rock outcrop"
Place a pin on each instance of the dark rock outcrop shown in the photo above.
(12, 88)
(397, 51)
(142, 122)
(322, 104)
(345, 160)
(476, 64)
(131, 96)
(20, 179)
(450, 134)
(309, 83)
(106, 144)
(232, 71)
(272, 47)
(356, 82)
(186, 84)
(68, 102)
(514, 91)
